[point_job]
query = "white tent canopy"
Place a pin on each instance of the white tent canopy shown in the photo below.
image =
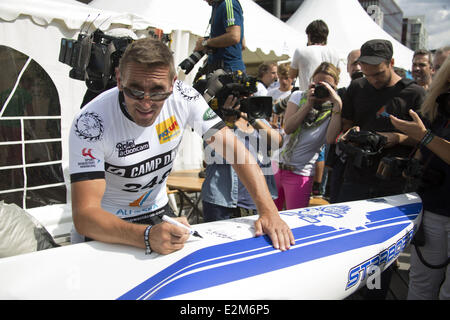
(33, 29)
(72, 14)
(26, 21)
(350, 26)
(189, 19)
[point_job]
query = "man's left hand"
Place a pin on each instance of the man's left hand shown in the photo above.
(277, 230)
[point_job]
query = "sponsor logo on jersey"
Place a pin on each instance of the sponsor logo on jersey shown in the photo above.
(89, 160)
(126, 148)
(167, 130)
(123, 213)
(89, 126)
(144, 167)
(140, 201)
(209, 114)
(87, 153)
(188, 93)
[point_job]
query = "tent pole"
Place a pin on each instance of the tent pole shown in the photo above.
(277, 8)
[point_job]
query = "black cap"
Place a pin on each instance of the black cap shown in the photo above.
(376, 51)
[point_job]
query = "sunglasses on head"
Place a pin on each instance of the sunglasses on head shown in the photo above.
(140, 95)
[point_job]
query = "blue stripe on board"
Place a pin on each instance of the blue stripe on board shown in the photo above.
(413, 208)
(259, 245)
(248, 268)
(159, 280)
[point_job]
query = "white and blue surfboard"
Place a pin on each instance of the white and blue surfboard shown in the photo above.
(337, 247)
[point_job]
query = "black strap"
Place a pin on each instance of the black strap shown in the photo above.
(153, 217)
(431, 266)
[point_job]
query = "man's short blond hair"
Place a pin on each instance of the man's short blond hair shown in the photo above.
(149, 52)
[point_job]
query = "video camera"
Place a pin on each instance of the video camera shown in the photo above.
(93, 58)
(363, 146)
(220, 84)
(390, 167)
(417, 175)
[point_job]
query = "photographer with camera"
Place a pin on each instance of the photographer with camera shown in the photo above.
(367, 103)
(223, 194)
(306, 121)
(226, 40)
(429, 276)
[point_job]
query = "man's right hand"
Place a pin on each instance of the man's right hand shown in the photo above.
(199, 46)
(166, 238)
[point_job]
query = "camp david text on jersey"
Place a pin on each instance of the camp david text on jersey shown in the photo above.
(134, 160)
(144, 167)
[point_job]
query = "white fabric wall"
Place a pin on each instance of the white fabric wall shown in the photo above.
(267, 37)
(35, 28)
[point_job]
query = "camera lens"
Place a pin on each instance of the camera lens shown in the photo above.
(189, 63)
(320, 91)
(357, 75)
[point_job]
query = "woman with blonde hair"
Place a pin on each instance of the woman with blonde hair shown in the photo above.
(306, 120)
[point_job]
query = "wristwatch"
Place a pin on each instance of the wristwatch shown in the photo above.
(205, 43)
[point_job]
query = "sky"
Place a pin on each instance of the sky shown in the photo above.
(437, 19)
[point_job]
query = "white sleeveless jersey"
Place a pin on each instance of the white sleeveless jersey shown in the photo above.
(135, 161)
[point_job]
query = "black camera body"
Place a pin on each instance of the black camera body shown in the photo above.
(394, 167)
(418, 176)
(364, 147)
(257, 107)
(320, 91)
(93, 58)
(220, 84)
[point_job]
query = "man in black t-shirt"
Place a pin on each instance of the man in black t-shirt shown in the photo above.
(367, 105)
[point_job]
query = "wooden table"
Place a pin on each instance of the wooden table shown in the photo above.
(187, 181)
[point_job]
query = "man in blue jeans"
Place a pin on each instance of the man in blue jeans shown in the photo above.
(223, 194)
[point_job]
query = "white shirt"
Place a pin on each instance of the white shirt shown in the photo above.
(307, 59)
(277, 94)
(261, 90)
(135, 161)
